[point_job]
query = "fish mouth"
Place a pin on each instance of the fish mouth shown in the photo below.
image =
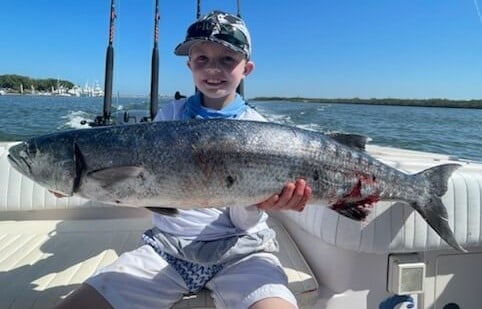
(13, 161)
(23, 165)
(17, 160)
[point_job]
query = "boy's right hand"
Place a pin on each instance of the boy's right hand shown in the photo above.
(294, 196)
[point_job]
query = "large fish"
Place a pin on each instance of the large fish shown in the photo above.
(214, 163)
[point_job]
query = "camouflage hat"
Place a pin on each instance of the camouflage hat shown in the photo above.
(219, 27)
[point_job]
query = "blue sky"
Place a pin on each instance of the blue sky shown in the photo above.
(310, 48)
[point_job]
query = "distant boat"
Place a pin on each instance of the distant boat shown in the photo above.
(92, 91)
(75, 91)
(3, 92)
(60, 91)
(97, 92)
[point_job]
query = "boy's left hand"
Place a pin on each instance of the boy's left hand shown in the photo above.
(293, 197)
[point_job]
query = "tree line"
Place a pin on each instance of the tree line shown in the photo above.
(383, 101)
(14, 83)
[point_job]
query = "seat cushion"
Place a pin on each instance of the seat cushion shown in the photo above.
(42, 261)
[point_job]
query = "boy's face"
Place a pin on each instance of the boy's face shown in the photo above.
(217, 70)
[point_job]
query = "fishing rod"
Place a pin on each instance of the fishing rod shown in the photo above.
(198, 15)
(105, 119)
(155, 66)
(240, 88)
(198, 11)
(239, 9)
(109, 69)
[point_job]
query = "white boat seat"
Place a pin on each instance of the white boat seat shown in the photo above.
(41, 261)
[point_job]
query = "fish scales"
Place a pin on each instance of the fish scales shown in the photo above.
(218, 163)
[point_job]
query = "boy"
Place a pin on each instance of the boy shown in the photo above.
(228, 250)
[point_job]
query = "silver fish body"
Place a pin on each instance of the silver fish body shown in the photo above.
(217, 163)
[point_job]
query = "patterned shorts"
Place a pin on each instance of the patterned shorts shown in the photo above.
(195, 275)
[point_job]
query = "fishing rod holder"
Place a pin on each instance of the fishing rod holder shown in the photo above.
(105, 119)
(99, 121)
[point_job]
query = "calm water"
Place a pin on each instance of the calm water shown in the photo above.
(450, 131)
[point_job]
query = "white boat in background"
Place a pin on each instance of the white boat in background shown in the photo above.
(75, 91)
(49, 245)
(3, 92)
(92, 90)
(97, 90)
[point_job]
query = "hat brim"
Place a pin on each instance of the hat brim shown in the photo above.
(184, 48)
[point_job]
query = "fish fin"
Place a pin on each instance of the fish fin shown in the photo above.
(79, 167)
(116, 174)
(434, 211)
(355, 141)
(164, 211)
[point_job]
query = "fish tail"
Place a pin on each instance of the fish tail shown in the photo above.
(438, 177)
(432, 209)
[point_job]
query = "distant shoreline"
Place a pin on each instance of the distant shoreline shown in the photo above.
(470, 104)
(477, 104)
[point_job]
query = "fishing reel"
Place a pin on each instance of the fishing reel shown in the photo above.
(99, 121)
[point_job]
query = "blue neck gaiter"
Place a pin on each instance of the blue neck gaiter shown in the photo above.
(193, 109)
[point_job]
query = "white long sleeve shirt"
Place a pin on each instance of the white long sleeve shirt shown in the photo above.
(210, 223)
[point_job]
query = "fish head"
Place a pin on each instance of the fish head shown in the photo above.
(49, 161)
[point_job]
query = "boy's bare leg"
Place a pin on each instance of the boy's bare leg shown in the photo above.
(84, 297)
(272, 302)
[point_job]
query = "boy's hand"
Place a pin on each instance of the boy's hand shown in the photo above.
(293, 196)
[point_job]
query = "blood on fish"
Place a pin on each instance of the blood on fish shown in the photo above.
(352, 205)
